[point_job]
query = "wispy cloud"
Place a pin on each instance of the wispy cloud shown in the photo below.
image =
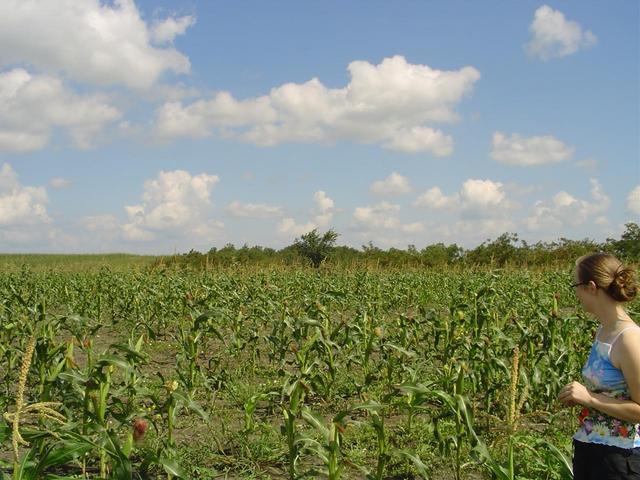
(60, 183)
(254, 210)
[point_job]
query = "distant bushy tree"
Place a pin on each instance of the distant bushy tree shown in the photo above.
(495, 252)
(628, 246)
(505, 250)
(344, 255)
(440, 254)
(315, 247)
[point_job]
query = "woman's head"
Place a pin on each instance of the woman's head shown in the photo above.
(608, 274)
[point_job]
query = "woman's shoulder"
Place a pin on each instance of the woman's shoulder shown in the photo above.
(627, 345)
(630, 334)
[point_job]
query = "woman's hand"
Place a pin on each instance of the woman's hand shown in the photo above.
(575, 394)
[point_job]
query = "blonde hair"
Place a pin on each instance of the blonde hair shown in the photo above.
(609, 274)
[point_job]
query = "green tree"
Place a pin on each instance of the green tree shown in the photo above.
(440, 254)
(629, 244)
(315, 247)
(495, 252)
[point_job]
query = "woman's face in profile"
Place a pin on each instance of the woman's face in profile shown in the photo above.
(580, 290)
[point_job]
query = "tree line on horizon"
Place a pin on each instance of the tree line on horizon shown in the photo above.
(319, 249)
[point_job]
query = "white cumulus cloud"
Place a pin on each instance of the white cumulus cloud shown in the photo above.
(394, 104)
(23, 212)
(479, 209)
(435, 199)
(201, 117)
(98, 42)
(553, 36)
(482, 193)
(174, 201)
(394, 184)
(565, 209)
(476, 197)
(323, 202)
(384, 215)
(633, 200)
(288, 226)
(322, 215)
(529, 151)
(324, 209)
(167, 30)
(20, 205)
(33, 106)
(418, 139)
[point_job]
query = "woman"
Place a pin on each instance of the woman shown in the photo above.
(607, 444)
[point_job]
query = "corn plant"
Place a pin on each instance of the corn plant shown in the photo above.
(328, 448)
(374, 409)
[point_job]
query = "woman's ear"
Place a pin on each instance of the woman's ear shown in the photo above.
(592, 287)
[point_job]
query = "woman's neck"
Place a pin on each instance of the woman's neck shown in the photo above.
(611, 316)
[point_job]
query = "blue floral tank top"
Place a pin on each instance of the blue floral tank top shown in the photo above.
(600, 376)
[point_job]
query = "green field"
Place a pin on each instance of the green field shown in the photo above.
(285, 373)
(73, 263)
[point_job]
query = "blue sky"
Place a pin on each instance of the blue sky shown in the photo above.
(158, 126)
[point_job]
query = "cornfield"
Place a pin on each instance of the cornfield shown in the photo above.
(288, 374)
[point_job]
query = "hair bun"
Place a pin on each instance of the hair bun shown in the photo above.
(623, 288)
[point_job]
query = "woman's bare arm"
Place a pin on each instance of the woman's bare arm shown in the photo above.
(627, 354)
